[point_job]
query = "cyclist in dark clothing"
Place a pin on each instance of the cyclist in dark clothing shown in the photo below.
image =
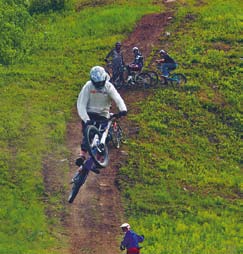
(116, 57)
(130, 240)
(166, 63)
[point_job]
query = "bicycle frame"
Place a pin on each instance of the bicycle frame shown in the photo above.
(105, 133)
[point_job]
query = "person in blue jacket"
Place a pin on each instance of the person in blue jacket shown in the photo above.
(131, 240)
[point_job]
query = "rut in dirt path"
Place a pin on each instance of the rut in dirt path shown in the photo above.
(94, 217)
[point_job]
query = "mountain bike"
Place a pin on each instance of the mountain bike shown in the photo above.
(97, 136)
(137, 79)
(174, 79)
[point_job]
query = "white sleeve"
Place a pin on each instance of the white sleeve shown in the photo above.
(117, 98)
(82, 103)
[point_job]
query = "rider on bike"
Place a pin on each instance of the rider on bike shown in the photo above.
(130, 240)
(166, 63)
(137, 63)
(116, 56)
(94, 102)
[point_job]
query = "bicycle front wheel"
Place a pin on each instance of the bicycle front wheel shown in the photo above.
(178, 79)
(99, 152)
(143, 80)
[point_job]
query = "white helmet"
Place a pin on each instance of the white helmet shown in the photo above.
(163, 52)
(135, 49)
(125, 225)
(98, 76)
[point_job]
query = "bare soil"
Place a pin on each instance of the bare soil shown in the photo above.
(92, 220)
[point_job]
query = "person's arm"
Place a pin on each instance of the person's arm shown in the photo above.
(125, 241)
(140, 238)
(109, 55)
(82, 103)
(116, 97)
(160, 60)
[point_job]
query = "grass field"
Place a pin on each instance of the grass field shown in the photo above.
(38, 91)
(184, 191)
(183, 184)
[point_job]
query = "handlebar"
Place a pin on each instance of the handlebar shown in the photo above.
(112, 115)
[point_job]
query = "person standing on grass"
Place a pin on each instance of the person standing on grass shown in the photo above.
(116, 57)
(94, 102)
(131, 240)
(166, 63)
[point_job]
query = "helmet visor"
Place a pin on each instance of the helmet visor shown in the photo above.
(99, 84)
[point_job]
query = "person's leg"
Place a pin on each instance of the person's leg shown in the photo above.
(165, 71)
(171, 67)
(82, 156)
(115, 71)
(129, 69)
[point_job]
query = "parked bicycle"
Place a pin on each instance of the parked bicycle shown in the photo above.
(174, 79)
(137, 80)
(97, 136)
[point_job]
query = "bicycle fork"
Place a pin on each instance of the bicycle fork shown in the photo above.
(100, 144)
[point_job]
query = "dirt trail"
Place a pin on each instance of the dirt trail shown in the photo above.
(93, 219)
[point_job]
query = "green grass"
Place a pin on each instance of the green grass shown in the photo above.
(36, 99)
(183, 180)
(183, 193)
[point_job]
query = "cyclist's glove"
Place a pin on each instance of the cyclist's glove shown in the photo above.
(122, 247)
(122, 113)
(87, 123)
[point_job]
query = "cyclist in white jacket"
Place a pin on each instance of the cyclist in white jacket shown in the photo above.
(94, 102)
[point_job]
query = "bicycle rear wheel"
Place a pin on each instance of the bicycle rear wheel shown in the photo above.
(78, 180)
(97, 151)
(154, 78)
(178, 79)
(143, 80)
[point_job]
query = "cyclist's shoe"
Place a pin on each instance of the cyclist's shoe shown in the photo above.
(95, 170)
(164, 75)
(80, 161)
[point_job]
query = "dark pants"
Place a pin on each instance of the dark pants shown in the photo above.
(117, 72)
(95, 119)
(166, 68)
